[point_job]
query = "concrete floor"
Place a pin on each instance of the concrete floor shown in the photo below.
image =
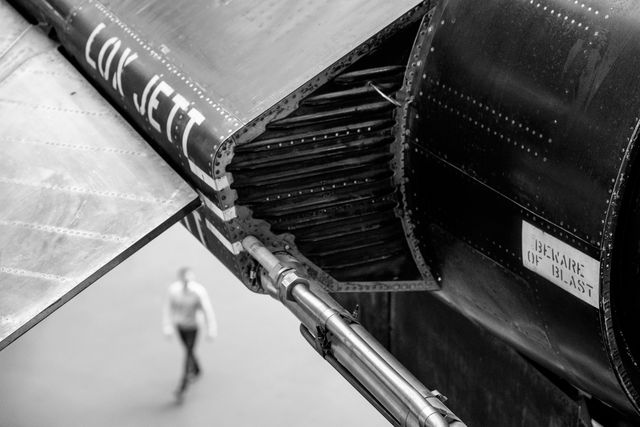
(101, 360)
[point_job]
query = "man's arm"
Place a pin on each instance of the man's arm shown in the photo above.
(207, 311)
(167, 323)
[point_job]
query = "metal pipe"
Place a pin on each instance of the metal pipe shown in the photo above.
(454, 421)
(390, 401)
(401, 393)
(395, 363)
(307, 320)
(267, 260)
(309, 323)
(425, 413)
(362, 387)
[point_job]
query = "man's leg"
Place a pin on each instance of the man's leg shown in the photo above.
(193, 367)
(187, 342)
(191, 364)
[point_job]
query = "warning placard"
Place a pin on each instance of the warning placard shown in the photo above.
(564, 265)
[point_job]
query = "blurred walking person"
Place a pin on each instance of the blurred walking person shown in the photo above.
(187, 306)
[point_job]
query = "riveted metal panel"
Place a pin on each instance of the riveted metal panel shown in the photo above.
(526, 113)
(80, 189)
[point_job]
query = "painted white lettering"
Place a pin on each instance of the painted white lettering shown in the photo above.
(178, 102)
(195, 117)
(125, 59)
(107, 68)
(140, 105)
(153, 102)
(563, 265)
(103, 51)
(87, 48)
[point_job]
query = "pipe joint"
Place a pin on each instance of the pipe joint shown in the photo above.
(287, 281)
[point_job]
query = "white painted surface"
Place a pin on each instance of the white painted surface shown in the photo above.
(561, 264)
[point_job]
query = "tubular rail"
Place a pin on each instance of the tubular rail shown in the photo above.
(360, 358)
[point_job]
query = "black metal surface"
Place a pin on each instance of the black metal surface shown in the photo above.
(524, 110)
(491, 384)
(251, 54)
(621, 293)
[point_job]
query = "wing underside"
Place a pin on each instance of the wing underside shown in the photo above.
(80, 190)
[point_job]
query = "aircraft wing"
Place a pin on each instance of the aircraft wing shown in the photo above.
(80, 190)
(72, 171)
(84, 191)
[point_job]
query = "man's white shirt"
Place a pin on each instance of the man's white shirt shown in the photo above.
(185, 305)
